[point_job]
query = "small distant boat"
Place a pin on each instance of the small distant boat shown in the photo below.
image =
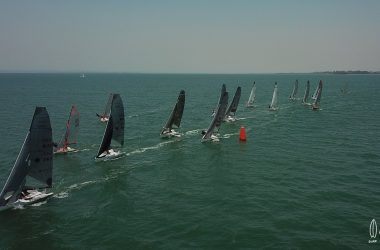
(294, 92)
(307, 90)
(211, 134)
(174, 118)
(70, 135)
(344, 90)
(230, 115)
(252, 96)
(82, 76)
(105, 116)
(274, 104)
(317, 102)
(32, 171)
(114, 131)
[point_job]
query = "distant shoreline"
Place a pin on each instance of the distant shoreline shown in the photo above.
(336, 72)
(349, 72)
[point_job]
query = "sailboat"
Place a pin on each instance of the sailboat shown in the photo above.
(71, 133)
(105, 116)
(211, 134)
(174, 118)
(294, 92)
(252, 96)
(274, 104)
(231, 111)
(317, 101)
(32, 171)
(306, 96)
(344, 89)
(222, 91)
(114, 131)
(315, 93)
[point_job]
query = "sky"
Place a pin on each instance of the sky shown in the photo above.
(193, 36)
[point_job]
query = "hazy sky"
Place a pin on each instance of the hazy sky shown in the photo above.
(192, 36)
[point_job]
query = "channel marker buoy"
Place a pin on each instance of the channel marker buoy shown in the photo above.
(243, 136)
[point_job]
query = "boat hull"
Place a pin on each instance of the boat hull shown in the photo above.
(213, 138)
(65, 150)
(170, 134)
(104, 119)
(33, 197)
(111, 155)
(230, 119)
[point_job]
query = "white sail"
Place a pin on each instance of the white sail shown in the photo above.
(307, 90)
(294, 92)
(274, 103)
(317, 101)
(252, 96)
(315, 93)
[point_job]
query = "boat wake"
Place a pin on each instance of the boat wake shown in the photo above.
(38, 203)
(79, 186)
(61, 195)
(226, 136)
(193, 132)
(245, 118)
(142, 150)
(83, 150)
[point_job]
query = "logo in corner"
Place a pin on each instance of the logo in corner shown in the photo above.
(373, 231)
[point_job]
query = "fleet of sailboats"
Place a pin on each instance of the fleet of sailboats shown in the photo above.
(174, 118)
(32, 172)
(70, 136)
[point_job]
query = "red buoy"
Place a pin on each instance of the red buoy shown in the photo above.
(242, 136)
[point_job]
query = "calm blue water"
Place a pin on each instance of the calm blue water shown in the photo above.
(303, 179)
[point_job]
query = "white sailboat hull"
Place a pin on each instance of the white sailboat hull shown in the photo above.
(230, 119)
(104, 119)
(213, 138)
(65, 150)
(170, 134)
(33, 197)
(110, 155)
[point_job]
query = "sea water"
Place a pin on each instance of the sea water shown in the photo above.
(303, 179)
